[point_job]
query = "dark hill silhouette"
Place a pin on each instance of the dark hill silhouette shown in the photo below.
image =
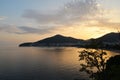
(111, 38)
(105, 41)
(57, 40)
(26, 44)
(108, 41)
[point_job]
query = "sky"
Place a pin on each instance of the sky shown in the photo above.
(32, 20)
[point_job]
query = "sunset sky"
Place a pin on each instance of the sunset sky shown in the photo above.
(32, 20)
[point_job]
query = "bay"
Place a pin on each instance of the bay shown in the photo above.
(41, 63)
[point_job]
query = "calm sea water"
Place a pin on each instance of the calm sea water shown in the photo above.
(34, 63)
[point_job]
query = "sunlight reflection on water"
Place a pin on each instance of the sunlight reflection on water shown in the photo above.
(35, 63)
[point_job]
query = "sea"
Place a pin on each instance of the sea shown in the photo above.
(42, 63)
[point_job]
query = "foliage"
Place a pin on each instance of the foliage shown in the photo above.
(94, 59)
(106, 69)
(112, 70)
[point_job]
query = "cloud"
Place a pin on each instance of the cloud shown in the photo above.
(71, 13)
(23, 29)
(106, 23)
(26, 30)
(9, 28)
(115, 25)
(77, 12)
(87, 12)
(2, 17)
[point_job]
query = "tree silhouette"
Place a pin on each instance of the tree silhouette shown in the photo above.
(112, 70)
(94, 59)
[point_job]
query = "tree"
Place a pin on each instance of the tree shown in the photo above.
(94, 59)
(112, 70)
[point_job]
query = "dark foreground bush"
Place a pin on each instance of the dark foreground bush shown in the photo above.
(105, 69)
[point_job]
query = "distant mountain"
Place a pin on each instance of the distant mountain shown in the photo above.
(57, 40)
(107, 38)
(108, 41)
(110, 38)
